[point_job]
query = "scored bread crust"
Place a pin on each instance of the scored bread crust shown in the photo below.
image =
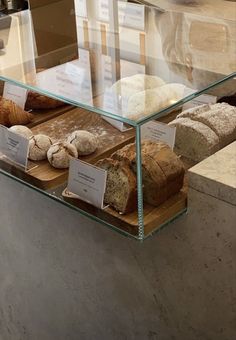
(154, 181)
(163, 172)
(170, 164)
(131, 200)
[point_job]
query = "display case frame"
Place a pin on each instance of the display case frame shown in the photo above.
(54, 60)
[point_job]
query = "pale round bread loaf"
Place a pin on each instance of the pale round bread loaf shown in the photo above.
(151, 101)
(38, 147)
(22, 131)
(85, 142)
(129, 86)
(60, 154)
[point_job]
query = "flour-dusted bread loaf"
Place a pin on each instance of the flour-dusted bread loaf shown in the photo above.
(85, 142)
(221, 118)
(37, 101)
(194, 140)
(163, 172)
(191, 112)
(60, 154)
(151, 101)
(121, 193)
(131, 85)
(22, 131)
(38, 147)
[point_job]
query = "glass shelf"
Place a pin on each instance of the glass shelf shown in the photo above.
(130, 62)
(81, 64)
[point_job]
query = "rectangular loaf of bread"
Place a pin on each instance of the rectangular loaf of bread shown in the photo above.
(169, 163)
(121, 193)
(163, 172)
(194, 140)
(220, 118)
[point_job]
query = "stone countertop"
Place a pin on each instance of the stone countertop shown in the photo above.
(216, 175)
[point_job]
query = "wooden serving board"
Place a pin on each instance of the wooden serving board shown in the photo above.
(154, 217)
(42, 174)
(41, 116)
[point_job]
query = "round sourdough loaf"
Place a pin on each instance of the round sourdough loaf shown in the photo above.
(60, 154)
(151, 101)
(38, 147)
(22, 131)
(85, 142)
(121, 193)
(129, 86)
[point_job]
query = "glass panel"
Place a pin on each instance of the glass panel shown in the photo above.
(160, 57)
(155, 194)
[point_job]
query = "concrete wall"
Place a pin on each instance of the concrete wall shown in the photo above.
(65, 277)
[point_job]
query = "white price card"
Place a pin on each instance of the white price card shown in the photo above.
(118, 125)
(14, 147)
(15, 93)
(200, 100)
(129, 14)
(88, 182)
(157, 131)
(71, 80)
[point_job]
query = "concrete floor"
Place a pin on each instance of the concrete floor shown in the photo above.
(63, 276)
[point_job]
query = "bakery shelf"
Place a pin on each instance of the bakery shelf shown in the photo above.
(128, 62)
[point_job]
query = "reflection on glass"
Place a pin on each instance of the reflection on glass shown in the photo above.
(119, 40)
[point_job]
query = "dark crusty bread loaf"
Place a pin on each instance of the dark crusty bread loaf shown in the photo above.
(170, 164)
(36, 101)
(154, 181)
(163, 172)
(121, 192)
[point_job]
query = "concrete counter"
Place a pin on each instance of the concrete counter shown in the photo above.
(63, 276)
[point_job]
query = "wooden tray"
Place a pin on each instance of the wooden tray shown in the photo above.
(42, 174)
(41, 116)
(154, 217)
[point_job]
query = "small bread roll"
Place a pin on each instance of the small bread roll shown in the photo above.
(38, 147)
(60, 154)
(84, 141)
(22, 131)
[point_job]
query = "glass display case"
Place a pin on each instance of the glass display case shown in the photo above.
(105, 82)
